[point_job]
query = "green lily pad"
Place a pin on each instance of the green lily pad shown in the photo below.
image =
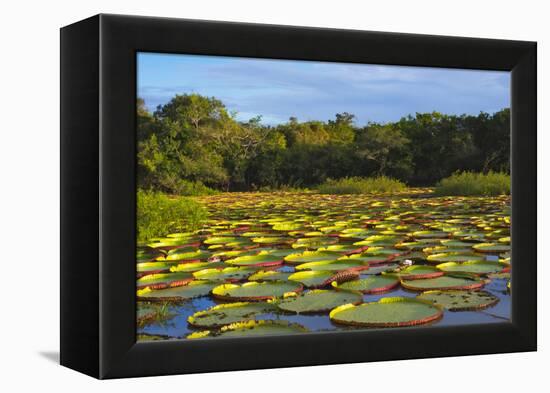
(312, 278)
(344, 249)
(460, 300)
(222, 240)
(177, 254)
(225, 314)
(192, 290)
(334, 265)
(416, 272)
(430, 234)
(310, 256)
(153, 267)
(228, 274)
(318, 300)
(371, 284)
(253, 328)
(446, 282)
(496, 248)
(269, 275)
(270, 240)
(195, 266)
(256, 260)
(163, 280)
(387, 312)
(474, 267)
(255, 291)
(454, 257)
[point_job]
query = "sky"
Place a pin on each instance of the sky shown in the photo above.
(309, 90)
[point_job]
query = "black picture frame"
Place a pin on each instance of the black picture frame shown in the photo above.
(98, 191)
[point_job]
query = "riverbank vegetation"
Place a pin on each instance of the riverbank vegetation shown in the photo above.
(194, 146)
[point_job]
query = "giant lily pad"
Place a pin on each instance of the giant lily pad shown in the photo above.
(255, 291)
(445, 282)
(460, 300)
(453, 257)
(269, 275)
(253, 328)
(387, 312)
(225, 314)
(193, 289)
(318, 300)
(474, 267)
(256, 260)
(312, 278)
(163, 280)
(416, 272)
(371, 284)
(495, 248)
(338, 265)
(153, 267)
(228, 274)
(310, 256)
(187, 255)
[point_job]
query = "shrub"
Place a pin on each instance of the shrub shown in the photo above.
(159, 214)
(470, 183)
(359, 185)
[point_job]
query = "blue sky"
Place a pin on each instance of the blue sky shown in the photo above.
(279, 89)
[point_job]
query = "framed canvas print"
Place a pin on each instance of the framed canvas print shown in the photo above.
(239, 196)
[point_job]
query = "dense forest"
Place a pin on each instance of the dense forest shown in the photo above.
(194, 142)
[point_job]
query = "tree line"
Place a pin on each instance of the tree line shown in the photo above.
(194, 143)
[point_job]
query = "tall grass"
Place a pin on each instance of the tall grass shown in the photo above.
(159, 214)
(360, 185)
(470, 183)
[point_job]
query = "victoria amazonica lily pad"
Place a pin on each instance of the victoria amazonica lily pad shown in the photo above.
(256, 260)
(163, 280)
(460, 300)
(416, 272)
(494, 248)
(371, 284)
(334, 265)
(153, 267)
(176, 255)
(318, 300)
(269, 275)
(321, 278)
(454, 257)
(474, 267)
(228, 274)
(387, 312)
(225, 314)
(255, 291)
(445, 282)
(253, 328)
(191, 290)
(310, 256)
(195, 266)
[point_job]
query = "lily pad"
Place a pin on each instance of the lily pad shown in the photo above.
(253, 328)
(460, 300)
(269, 275)
(416, 272)
(255, 291)
(256, 260)
(454, 257)
(153, 267)
(163, 280)
(225, 314)
(312, 278)
(446, 282)
(387, 312)
(474, 267)
(227, 274)
(310, 256)
(334, 265)
(371, 284)
(192, 290)
(318, 300)
(495, 248)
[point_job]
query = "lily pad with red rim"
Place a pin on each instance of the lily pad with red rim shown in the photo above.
(255, 291)
(387, 312)
(446, 282)
(318, 300)
(460, 300)
(371, 284)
